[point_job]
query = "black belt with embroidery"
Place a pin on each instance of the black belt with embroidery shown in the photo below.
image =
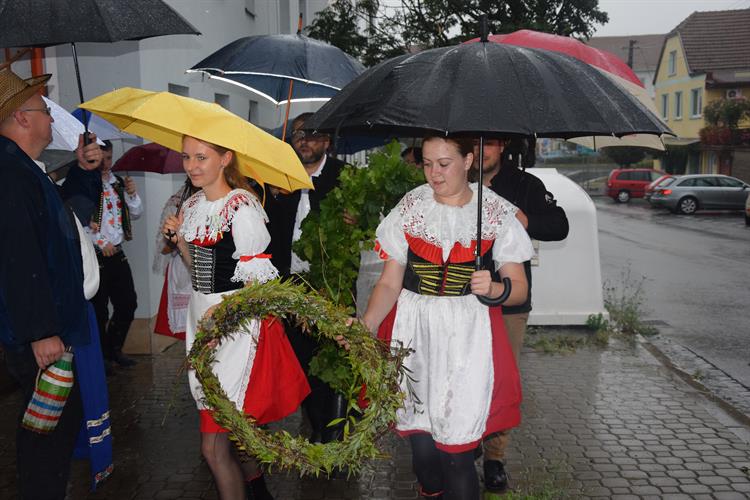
(451, 279)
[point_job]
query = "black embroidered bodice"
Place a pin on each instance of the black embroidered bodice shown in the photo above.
(448, 279)
(213, 266)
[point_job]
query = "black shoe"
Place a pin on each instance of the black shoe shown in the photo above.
(495, 477)
(123, 360)
(256, 489)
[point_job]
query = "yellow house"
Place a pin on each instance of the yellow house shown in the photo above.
(705, 58)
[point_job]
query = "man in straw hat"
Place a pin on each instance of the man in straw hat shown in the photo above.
(42, 303)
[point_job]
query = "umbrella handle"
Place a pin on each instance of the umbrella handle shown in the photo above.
(499, 300)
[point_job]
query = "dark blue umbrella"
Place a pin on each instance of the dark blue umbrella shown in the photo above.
(344, 144)
(267, 64)
(291, 68)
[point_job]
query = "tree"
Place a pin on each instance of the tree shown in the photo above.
(392, 30)
(727, 112)
(625, 155)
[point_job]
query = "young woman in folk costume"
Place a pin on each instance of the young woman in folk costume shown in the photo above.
(465, 382)
(221, 232)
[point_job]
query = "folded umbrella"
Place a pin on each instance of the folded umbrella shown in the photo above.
(165, 118)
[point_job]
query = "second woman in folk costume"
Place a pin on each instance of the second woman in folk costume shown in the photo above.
(464, 380)
(221, 232)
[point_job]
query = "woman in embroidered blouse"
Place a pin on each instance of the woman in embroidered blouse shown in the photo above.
(465, 383)
(221, 232)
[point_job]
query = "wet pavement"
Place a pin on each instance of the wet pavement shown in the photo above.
(598, 423)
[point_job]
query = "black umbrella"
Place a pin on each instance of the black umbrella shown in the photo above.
(291, 68)
(36, 23)
(485, 89)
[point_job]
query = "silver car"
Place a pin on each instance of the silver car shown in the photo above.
(688, 193)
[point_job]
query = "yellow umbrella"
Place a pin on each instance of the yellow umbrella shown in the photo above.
(164, 118)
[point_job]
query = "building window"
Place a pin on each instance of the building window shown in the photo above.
(678, 105)
(696, 103)
(252, 112)
(672, 62)
(665, 106)
(222, 100)
(178, 89)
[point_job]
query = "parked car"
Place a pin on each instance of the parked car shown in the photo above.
(626, 183)
(664, 180)
(689, 193)
(747, 211)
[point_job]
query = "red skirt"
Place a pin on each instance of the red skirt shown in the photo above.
(162, 318)
(277, 383)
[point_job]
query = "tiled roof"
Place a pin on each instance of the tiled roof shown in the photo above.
(645, 52)
(716, 40)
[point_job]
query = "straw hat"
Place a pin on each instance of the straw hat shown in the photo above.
(14, 91)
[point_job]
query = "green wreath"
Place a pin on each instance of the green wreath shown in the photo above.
(373, 363)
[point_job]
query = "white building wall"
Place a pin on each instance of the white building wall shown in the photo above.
(154, 64)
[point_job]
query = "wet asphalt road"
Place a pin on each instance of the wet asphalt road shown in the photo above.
(697, 275)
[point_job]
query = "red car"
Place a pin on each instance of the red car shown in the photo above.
(626, 183)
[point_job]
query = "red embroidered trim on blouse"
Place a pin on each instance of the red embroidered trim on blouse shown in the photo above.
(433, 253)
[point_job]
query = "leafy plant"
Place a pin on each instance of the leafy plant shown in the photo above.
(370, 361)
(625, 304)
(332, 246)
(726, 112)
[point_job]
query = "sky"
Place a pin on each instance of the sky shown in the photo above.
(647, 17)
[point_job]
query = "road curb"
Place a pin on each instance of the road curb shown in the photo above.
(715, 384)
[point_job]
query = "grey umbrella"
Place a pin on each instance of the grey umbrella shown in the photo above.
(36, 23)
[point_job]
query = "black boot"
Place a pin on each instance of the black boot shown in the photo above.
(256, 489)
(337, 409)
(495, 477)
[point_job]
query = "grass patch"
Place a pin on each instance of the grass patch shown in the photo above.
(625, 305)
(550, 343)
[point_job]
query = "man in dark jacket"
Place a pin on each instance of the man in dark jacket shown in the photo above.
(286, 211)
(42, 303)
(504, 172)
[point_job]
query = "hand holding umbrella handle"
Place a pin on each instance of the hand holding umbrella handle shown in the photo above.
(499, 300)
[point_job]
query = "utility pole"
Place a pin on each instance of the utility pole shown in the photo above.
(631, 45)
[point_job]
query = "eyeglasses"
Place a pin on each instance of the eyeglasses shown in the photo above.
(46, 110)
(299, 135)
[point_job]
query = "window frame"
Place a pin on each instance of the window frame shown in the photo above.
(672, 63)
(665, 106)
(696, 102)
(678, 105)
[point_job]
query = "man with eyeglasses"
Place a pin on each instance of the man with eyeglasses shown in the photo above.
(43, 306)
(286, 211)
(505, 163)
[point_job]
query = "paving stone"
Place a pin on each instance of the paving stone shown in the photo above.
(584, 430)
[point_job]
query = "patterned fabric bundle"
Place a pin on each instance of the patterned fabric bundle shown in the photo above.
(53, 387)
